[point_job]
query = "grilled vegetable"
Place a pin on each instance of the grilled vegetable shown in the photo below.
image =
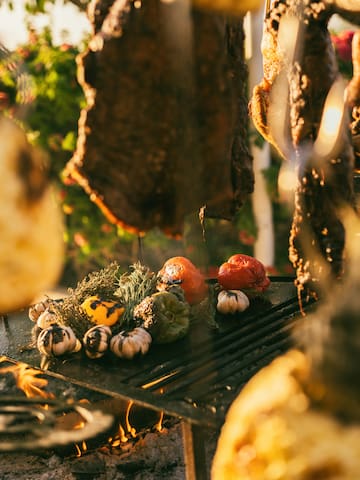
(181, 271)
(243, 272)
(96, 341)
(131, 344)
(232, 301)
(57, 340)
(102, 312)
(164, 315)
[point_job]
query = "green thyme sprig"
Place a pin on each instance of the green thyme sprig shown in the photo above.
(100, 282)
(133, 287)
(71, 314)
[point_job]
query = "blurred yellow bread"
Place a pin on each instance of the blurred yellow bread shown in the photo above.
(31, 238)
(272, 433)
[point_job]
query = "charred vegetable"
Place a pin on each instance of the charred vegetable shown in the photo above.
(133, 287)
(46, 319)
(164, 315)
(38, 308)
(181, 271)
(243, 271)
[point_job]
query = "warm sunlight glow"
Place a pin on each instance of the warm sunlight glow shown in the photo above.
(332, 117)
(331, 121)
(287, 181)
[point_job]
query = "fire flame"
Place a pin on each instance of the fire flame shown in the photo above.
(27, 379)
(129, 427)
(82, 448)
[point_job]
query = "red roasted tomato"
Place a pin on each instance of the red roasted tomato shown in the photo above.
(243, 272)
(181, 271)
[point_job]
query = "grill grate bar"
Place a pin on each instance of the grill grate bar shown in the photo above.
(202, 348)
(230, 363)
(238, 376)
(254, 330)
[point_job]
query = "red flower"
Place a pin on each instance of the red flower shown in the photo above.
(246, 238)
(106, 228)
(64, 47)
(80, 240)
(4, 100)
(342, 44)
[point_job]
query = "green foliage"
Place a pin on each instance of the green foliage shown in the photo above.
(39, 6)
(51, 122)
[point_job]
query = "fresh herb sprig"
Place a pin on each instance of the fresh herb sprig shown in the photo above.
(133, 287)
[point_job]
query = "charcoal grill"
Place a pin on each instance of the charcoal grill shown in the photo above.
(195, 379)
(31, 423)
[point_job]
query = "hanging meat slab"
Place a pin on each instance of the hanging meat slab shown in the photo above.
(317, 236)
(164, 133)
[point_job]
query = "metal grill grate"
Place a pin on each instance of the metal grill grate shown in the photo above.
(198, 377)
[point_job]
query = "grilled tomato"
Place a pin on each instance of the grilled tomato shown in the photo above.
(243, 272)
(181, 271)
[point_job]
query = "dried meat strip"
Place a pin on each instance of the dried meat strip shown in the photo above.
(164, 133)
(317, 232)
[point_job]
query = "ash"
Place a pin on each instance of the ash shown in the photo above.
(156, 455)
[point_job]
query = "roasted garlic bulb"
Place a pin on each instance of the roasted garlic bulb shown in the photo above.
(130, 344)
(38, 308)
(57, 340)
(96, 341)
(46, 319)
(232, 301)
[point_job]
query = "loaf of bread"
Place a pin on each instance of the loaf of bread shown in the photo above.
(272, 431)
(31, 241)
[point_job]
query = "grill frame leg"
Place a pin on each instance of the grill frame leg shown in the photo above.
(194, 451)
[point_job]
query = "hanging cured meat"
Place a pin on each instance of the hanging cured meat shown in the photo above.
(353, 98)
(164, 133)
(324, 184)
